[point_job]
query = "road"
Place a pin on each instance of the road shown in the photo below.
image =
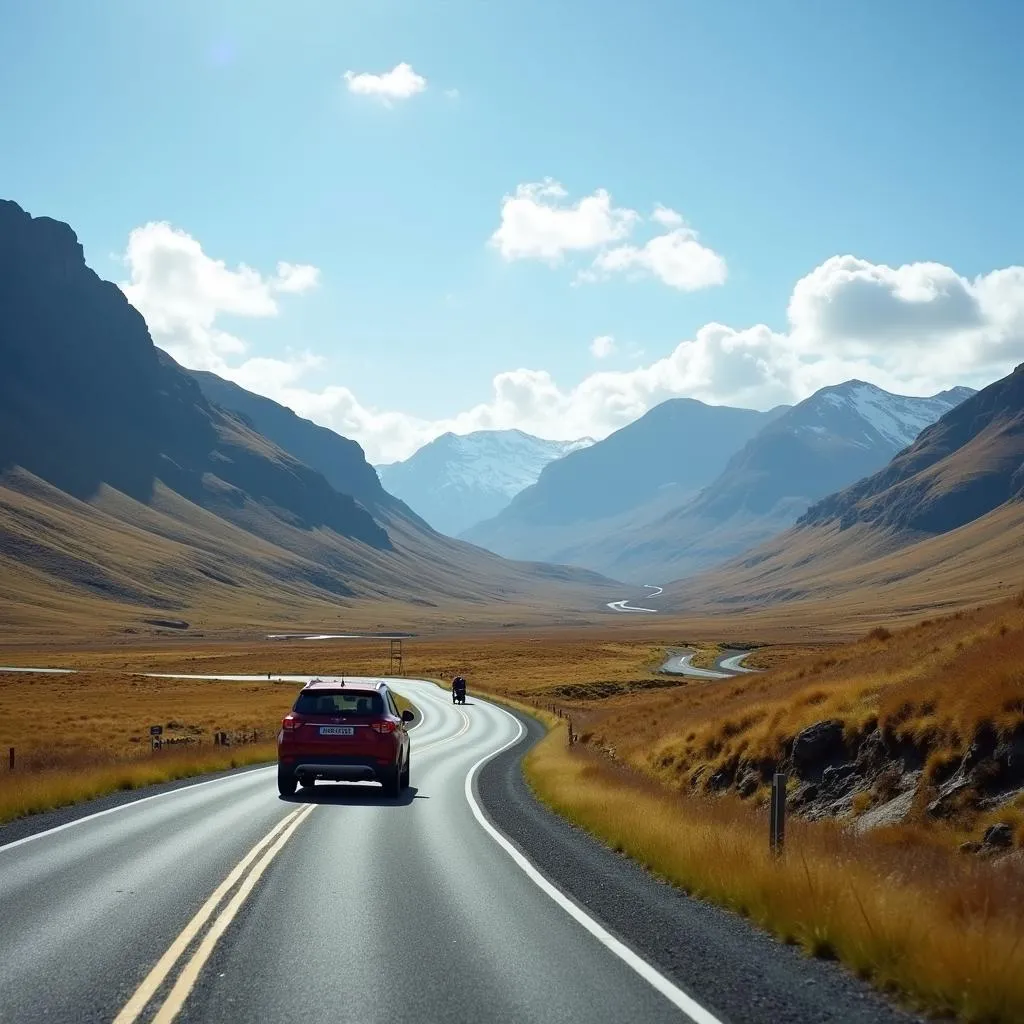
(220, 901)
(625, 606)
(727, 665)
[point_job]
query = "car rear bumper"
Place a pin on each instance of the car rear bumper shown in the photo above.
(339, 768)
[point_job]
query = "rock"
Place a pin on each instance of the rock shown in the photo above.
(998, 837)
(817, 748)
(839, 780)
(747, 784)
(892, 812)
(970, 847)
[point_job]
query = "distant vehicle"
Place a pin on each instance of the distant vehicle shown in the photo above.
(458, 690)
(344, 732)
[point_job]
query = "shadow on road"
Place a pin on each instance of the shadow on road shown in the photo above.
(353, 794)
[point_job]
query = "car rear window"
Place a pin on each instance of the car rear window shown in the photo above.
(342, 702)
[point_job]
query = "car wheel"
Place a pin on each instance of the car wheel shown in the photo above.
(286, 782)
(307, 781)
(404, 782)
(393, 783)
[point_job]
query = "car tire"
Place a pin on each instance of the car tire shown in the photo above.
(393, 783)
(286, 782)
(307, 781)
(404, 778)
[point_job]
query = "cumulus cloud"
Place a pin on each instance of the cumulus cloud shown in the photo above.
(676, 259)
(181, 292)
(914, 329)
(399, 83)
(666, 217)
(538, 223)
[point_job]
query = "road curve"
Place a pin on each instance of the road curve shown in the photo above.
(363, 909)
(463, 901)
(625, 606)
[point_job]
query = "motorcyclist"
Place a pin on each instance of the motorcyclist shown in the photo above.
(458, 687)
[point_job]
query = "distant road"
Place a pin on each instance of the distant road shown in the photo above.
(625, 606)
(220, 901)
(727, 665)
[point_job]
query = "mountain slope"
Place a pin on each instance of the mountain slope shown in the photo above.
(829, 440)
(944, 519)
(456, 481)
(123, 487)
(669, 453)
(338, 459)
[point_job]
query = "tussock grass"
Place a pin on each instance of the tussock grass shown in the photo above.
(942, 932)
(32, 792)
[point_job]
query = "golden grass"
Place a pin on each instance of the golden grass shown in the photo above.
(935, 684)
(942, 932)
(23, 792)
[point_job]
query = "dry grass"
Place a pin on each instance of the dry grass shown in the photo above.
(81, 736)
(943, 932)
(934, 685)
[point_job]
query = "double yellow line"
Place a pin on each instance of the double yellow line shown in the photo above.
(249, 869)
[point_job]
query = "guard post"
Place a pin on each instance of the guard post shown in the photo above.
(777, 813)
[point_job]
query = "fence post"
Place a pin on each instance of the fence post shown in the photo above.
(572, 738)
(10, 759)
(777, 813)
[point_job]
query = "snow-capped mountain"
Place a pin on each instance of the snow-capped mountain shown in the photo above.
(825, 443)
(457, 480)
(868, 417)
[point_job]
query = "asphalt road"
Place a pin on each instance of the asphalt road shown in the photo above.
(727, 665)
(220, 901)
(625, 606)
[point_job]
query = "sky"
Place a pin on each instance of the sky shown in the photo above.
(401, 217)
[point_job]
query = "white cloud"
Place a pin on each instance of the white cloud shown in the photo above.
(399, 83)
(915, 329)
(181, 292)
(296, 277)
(666, 217)
(602, 347)
(536, 222)
(675, 258)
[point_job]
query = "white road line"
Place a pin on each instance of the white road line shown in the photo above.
(653, 977)
(127, 806)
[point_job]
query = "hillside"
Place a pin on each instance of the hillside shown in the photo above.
(943, 523)
(456, 481)
(124, 492)
(665, 456)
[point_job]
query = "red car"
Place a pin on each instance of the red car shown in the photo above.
(342, 731)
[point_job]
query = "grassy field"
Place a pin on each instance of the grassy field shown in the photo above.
(898, 905)
(942, 932)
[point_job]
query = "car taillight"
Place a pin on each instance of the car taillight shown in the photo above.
(384, 727)
(289, 723)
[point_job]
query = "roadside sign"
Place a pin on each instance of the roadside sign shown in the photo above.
(155, 730)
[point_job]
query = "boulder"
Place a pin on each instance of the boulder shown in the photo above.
(818, 747)
(998, 837)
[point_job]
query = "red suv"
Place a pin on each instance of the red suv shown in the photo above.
(344, 732)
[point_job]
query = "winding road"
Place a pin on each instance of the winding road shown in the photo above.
(462, 901)
(625, 606)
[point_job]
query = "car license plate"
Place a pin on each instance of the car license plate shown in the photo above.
(337, 730)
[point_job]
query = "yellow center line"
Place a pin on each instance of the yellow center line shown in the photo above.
(147, 989)
(190, 973)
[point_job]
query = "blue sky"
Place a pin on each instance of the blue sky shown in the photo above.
(784, 133)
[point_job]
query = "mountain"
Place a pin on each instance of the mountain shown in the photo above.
(941, 524)
(124, 491)
(831, 439)
(666, 455)
(456, 481)
(340, 460)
